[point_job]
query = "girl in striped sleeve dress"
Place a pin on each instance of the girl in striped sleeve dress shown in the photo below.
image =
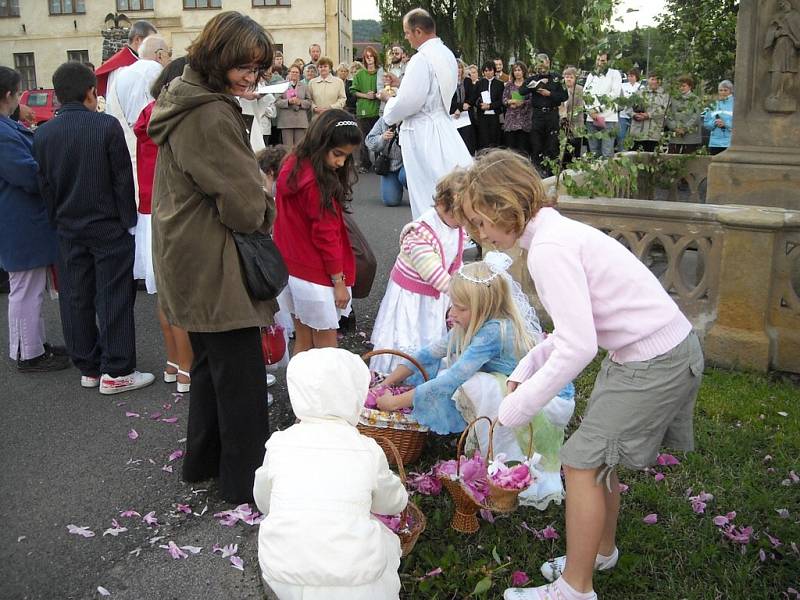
(414, 308)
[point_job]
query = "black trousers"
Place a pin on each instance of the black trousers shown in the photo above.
(518, 140)
(490, 133)
(544, 139)
(468, 135)
(645, 145)
(572, 151)
(228, 417)
(96, 296)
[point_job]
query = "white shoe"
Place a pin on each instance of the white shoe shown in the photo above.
(125, 383)
(184, 388)
(171, 377)
(89, 382)
(271, 379)
(552, 569)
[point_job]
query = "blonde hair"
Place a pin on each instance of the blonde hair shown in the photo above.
(447, 188)
(489, 299)
(504, 188)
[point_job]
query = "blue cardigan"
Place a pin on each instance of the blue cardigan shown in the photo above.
(491, 351)
(27, 240)
(720, 138)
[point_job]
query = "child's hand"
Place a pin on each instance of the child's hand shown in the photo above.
(387, 401)
(511, 386)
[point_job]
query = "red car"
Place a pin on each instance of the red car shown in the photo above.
(42, 102)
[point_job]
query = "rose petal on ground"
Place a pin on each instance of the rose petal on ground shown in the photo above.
(129, 513)
(667, 460)
(167, 468)
(783, 413)
(549, 533)
(519, 578)
(103, 591)
(22, 537)
(115, 531)
(776, 543)
(623, 488)
(131, 414)
(133, 434)
(155, 415)
(175, 455)
(174, 551)
(720, 520)
(82, 530)
(170, 420)
(150, 518)
(229, 550)
(651, 519)
(762, 556)
(487, 515)
(184, 508)
(192, 549)
(659, 477)
(783, 513)
(237, 563)
(433, 573)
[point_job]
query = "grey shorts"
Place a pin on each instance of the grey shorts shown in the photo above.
(637, 408)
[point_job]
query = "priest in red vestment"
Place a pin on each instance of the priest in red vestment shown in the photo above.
(126, 56)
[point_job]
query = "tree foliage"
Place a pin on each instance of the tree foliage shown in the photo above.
(703, 38)
(480, 29)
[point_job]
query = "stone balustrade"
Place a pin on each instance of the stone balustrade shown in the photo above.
(733, 270)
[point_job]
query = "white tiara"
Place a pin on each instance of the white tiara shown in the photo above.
(346, 123)
(498, 263)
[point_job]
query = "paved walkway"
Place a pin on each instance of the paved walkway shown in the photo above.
(67, 460)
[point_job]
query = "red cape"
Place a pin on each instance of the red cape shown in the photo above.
(125, 57)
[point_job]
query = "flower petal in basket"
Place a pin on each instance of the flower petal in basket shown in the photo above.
(389, 419)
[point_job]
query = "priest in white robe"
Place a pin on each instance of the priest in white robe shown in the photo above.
(429, 140)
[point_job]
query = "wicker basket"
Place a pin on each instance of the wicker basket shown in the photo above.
(409, 443)
(465, 513)
(501, 499)
(407, 538)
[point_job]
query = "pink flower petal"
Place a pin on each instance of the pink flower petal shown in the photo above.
(651, 519)
(192, 549)
(155, 416)
(519, 578)
(783, 513)
(659, 477)
(549, 533)
(184, 508)
(776, 543)
(487, 515)
(150, 518)
(103, 591)
(667, 460)
(237, 563)
(129, 513)
(175, 455)
(133, 434)
(115, 530)
(433, 573)
(170, 420)
(623, 488)
(131, 414)
(174, 551)
(82, 531)
(720, 521)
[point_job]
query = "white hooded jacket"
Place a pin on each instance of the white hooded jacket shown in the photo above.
(321, 479)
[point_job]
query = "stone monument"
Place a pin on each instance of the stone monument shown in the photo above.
(762, 165)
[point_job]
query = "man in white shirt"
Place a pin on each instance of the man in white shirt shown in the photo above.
(429, 140)
(603, 86)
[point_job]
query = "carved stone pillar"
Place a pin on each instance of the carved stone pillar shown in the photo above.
(762, 165)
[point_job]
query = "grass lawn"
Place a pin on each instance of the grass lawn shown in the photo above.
(747, 431)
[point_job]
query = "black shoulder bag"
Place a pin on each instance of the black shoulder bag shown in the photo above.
(265, 273)
(382, 163)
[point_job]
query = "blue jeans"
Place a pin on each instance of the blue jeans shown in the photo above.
(604, 146)
(392, 186)
(624, 126)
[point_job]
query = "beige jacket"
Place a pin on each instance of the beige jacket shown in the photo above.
(327, 93)
(207, 185)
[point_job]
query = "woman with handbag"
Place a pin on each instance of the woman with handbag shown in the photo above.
(383, 141)
(314, 188)
(208, 190)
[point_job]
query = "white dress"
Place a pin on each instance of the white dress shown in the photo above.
(143, 256)
(312, 304)
(409, 321)
(431, 144)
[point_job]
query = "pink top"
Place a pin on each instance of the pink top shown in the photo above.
(421, 267)
(597, 293)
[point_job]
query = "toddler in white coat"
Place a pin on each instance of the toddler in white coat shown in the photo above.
(319, 483)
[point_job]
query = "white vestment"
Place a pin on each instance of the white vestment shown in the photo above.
(128, 92)
(430, 142)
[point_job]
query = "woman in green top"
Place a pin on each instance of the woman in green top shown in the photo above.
(365, 87)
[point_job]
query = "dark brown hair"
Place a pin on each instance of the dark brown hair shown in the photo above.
(229, 40)
(370, 50)
(448, 188)
(327, 132)
(270, 159)
(687, 79)
(324, 60)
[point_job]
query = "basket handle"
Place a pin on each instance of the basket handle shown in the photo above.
(400, 471)
(408, 357)
(461, 441)
(490, 450)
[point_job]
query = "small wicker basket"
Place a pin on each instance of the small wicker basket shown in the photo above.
(501, 499)
(418, 521)
(408, 442)
(465, 513)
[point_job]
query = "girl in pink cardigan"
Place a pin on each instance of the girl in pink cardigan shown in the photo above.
(598, 294)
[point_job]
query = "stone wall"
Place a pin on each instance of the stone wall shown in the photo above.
(733, 270)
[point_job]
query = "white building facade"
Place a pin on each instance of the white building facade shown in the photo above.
(36, 36)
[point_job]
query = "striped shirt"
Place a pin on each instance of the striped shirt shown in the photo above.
(420, 266)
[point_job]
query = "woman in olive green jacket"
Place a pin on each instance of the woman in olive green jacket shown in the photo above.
(208, 185)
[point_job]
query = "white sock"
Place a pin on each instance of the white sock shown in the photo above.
(570, 593)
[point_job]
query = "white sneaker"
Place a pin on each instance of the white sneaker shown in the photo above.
(271, 379)
(125, 383)
(552, 569)
(270, 399)
(89, 382)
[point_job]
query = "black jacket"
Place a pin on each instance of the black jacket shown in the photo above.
(85, 174)
(495, 95)
(468, 93)
(554, 84)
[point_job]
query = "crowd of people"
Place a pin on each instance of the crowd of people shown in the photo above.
(195, 156)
